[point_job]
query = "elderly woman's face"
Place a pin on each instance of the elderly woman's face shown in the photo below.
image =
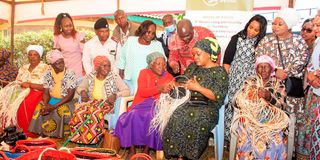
(158, 66)
(279, 27)
(104, 68)
(66, 26)
(150, 34)
(200, 57)
(307, 32)
(253, 29)
(34, 57)
(58, 66)
(264, 70)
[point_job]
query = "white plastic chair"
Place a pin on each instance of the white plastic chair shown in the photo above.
(218, 133)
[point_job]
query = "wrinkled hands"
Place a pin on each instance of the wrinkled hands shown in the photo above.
(281, 74)
(25, 84)
(111, 99)
(263, 93)
(46, 109)
(175, 68)
(166, 88)
(193, 84)
(84, 96)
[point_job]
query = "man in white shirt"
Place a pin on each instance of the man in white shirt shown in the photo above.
(101, 44)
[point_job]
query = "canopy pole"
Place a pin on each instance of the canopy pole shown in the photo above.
(13, 8)
(118, 4)
(291, 4)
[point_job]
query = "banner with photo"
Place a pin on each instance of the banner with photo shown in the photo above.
(223, 17)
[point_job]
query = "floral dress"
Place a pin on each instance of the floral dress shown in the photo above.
(190, 125)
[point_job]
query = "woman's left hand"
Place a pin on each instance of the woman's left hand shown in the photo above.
(46, 109)
(193, 84)
(111, 99)
(25, 84)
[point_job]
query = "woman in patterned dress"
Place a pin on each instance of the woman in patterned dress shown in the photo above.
(310, 138)
(239, 59)
(294, 51)
(52, 115)
(271, 92)
(102, 84)
(187, 132)
(25, 92)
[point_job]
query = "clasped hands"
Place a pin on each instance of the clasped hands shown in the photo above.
(191, 84)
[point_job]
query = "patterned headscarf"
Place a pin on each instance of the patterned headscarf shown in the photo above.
(152, 56)
(210, 46)
(265, 59)
(97, 61)
(53, 56)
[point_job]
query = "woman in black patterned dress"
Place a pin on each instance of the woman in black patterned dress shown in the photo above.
(187, 132)
(239, 59)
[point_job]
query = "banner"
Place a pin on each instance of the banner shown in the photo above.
(223, 17)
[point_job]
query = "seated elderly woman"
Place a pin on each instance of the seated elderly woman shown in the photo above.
(100, 87)
(187, 132)
(133, 126)
(261, 120)
(8, 72)
(19, 98)
(52, 115)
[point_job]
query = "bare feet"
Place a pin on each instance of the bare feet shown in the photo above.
(146, 150)
(132, 151)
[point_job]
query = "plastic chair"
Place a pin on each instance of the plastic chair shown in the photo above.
(234, 137)
(218, 133)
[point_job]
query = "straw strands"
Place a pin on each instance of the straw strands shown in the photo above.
(262, 120)
(165, 107)
(11, 97)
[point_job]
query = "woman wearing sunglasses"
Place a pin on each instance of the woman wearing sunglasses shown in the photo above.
(308, 34)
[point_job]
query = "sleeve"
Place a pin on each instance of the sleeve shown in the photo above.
(173, 52)
(230, 50)
(81, 40)
(123, 88)
(47, 79)
(84, 85)
(123, 55)
(277, 95)
(56, 42)
(299, 56)
(220, 86)
(145, 88)
(86, 59)
(260, 50)
(72, 81)
(19, 76)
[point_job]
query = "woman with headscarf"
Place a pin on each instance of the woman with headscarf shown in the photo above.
(289, 52)
(188, 130)
(261, 120)
(8, 72)
(53, 113)
(19, 98)
(99, 87)
(239, 59)
(133, 126)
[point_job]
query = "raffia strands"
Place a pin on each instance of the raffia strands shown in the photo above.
(261, 120)
(164, 109)
(11, 97)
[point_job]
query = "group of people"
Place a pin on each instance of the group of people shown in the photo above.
(83, 82)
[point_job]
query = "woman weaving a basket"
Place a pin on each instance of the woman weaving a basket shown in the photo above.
(261, 120)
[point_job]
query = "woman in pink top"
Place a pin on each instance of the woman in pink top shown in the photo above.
(69, 42)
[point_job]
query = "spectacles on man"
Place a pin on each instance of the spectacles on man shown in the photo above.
(308, 30)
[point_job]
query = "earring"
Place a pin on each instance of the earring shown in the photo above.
(213, 58)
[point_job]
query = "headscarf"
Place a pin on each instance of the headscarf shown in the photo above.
(53, 56)
(153, 56)
(37, 48)
(265, 59)
(210, 46)
(290, 16)
(97, 61)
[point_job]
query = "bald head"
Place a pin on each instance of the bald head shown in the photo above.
(185, 30)
(167, 20)
(121, 18)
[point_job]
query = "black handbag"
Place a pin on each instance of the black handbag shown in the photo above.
(294, 85)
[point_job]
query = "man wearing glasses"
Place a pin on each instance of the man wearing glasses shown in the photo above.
(101, 44)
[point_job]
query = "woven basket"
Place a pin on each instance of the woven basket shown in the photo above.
(48, 153)
(94, 153)
(33, 145)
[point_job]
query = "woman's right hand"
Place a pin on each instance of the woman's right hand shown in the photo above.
(166, 88)
(281, 74)
(84, 96)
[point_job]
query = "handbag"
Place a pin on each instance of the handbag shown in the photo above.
(294, 85)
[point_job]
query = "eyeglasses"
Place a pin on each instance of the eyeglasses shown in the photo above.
(306, 29)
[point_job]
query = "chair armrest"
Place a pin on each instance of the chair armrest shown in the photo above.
(124, 103)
